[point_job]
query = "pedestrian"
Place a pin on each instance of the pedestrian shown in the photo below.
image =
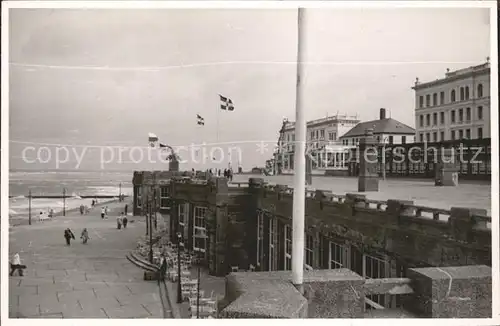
(218, 172)
(230, 175)
(51, 212)
(85, 236)
(125, 221)
(103, 212)
(68, 235)
(106, 211)
(126, 209)
(93, 203)
(82, 209)
(15, 265)
(119, 222)
(163, 266)
(225, 173)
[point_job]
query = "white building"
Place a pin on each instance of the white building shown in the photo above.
(385, 130)
(322, 136)
(454, 107)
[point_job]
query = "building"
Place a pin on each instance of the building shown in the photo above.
(386, 130)
(248, 226)
(322, 137)
(454, 107)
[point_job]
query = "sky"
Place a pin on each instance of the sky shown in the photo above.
(155, 70)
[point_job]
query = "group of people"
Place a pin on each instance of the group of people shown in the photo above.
(121, 219)
(68, 235)
(228, 173)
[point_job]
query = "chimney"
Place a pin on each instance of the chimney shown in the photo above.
(382, 113)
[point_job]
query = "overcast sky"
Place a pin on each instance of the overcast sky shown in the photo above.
(361, 60)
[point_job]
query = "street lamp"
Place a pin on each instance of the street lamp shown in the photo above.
(179, 289)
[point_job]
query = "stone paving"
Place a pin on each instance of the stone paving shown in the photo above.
(80, 281)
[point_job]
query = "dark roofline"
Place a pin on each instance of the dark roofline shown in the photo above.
(380, 133)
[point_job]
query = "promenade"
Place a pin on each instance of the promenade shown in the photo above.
(80, 281)
(422, 192)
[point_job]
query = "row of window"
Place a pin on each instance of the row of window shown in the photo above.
(315, 134)
(464, 96)
(164, 196)
(453, 135)
(390, 139)
(468, 116)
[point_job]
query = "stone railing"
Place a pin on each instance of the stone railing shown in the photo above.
(447, 292)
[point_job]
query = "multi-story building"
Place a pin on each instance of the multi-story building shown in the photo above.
(386, 130)
(322, 136)
(454, 107)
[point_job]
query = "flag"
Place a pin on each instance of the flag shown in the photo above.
(152, 139)
(201, 120)
(226, 103)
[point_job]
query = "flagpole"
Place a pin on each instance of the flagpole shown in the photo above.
(299, 177)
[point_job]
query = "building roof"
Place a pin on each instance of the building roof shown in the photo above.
(455, 75)
(380, 126)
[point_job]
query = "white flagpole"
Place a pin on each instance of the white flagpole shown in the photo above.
(299, 177)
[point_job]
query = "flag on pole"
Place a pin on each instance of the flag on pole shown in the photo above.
(226, 103)
(153, 139)
(201, 120)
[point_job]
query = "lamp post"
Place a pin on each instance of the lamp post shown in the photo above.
(64, 201)
(150, 235)
(179, 289)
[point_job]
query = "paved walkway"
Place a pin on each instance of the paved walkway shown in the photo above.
(80, 281)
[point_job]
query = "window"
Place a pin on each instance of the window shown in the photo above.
(317, 134)
(138, 202)
(428, 137)
(435, 136)
(428, 100)
(273, 235)
(309, 251)
(434, 99)
(480, 90)
(441, 117)
(322, 134)
(479, 133)
(312, 134)
(460, 134)
(421, 138)
(391, 139)
(403, 139)
(466, 92)
(441, 98)
(164, 195)
(462, 94)
(480, 112)
(467, 114)
(453, 135)
(338, 256)
(428, 118)
(330, 136)
(260, 237)
(434, 119)
(467, 133)
(453, 116)
(452, 96)
(442, 136)
(421, 121)
(200, 229)
(421, 102)
(288, 248)
(460, 115)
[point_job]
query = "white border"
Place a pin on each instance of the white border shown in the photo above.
(253, 4)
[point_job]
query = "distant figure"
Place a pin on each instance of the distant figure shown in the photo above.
(163, 266)
(218, 172)
(85, 236)
(82, 209)
(230, 175)
(15, 265)
(126, 209)
(119, 222)
(106, 211)
(225, 173)
(103, 212)
(93, 203)
(68, 235)
(125, 221)
(51, 212)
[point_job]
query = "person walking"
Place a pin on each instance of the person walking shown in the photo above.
(82, 209)
(119, 222)
(103, 212)
(106, 211)
(15, 265)
(68, 235)
(85, 236)
(126, 209)
(125, 221)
